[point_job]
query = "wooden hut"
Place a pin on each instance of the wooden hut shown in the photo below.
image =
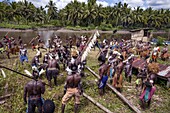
(141, 34)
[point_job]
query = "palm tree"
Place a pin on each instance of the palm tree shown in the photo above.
(110, 15)
(138, 17)
(126, 16)
(164, 15)
(127, 20)
(40, 15)
(27, 10)
(52, 9)
(2, 11)
(90, 12)
(99, 15)
(14, 10)
(64, 15)
(18, 18)
(76, 12)
(8, 13)
(118, 11)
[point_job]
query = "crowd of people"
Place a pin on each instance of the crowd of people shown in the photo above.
(57, 54)
(115, 56)
(118, 56)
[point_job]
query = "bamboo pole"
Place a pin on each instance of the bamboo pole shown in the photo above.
(5, 96)
(96, 103)
(33, 39)
(134, 108)
(9, 30)
(21, 74)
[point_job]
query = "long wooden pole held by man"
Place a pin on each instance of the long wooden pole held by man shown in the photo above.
(100, 50)
(20, 73)
(34, 39)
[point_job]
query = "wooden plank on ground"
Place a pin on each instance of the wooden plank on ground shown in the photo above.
(5, 96)
(134, 108)
(96, 103)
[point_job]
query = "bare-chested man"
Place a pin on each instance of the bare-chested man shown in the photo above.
(20, 41)
(72, 88)
(103, 76)
(117, 80)
(34, 89)
(52, 70)
(35, 61)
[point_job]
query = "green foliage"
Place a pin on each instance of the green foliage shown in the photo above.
(84, 15)
(160, 41)
(55, 22)
(105, 27)
(91, 26)
(78, 28)
(14, 26)
(119, 27)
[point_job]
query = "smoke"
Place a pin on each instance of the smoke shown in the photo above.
(46, 35)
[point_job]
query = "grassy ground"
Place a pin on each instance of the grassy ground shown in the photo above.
(160, 102)
(25, 26)
(15, 84)
(53, 24)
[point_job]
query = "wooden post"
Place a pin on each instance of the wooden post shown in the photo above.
(134, 108)
(96, 103)
(168, 83)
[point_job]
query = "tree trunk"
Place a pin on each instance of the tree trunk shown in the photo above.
(75, 22)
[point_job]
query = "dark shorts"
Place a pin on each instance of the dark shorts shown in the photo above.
(52, 73)
(33, 103)
(23, 58)
(102, 58)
